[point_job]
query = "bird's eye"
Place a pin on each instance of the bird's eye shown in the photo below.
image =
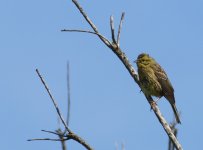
(143, 61)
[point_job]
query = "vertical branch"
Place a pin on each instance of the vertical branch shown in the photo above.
(119, 29)
(61, 137)
(68, 88)
(175, 133)
(116, 146)
(112, 29)
(122, 146)
(171, 145)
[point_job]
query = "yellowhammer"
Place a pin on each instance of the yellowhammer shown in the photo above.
(154, 80)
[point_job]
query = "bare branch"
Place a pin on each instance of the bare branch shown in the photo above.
(85, 16)
(112, 30)
(61, 137)
(85, 31)
(54, 102)
(79, 140)
(70, 134)
(45, 139)
(90, 22)
(164, 124)
(49, 132)
(119, 29)
(68, 90)
(169, 144)
(175, 131)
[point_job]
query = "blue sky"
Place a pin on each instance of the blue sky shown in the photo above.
(107, 106)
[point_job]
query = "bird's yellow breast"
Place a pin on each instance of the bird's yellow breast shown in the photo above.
(148, 81)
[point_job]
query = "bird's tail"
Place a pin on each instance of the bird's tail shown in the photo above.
(176, 113)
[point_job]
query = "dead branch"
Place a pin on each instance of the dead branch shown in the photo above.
(119, 29)
(112, 29)
(68, 90)
(51, 132)
(54, 102)
(90, 22)
(45, 139)
(63, 136)
(90, 32)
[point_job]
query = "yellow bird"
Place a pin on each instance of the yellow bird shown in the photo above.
(154, 81)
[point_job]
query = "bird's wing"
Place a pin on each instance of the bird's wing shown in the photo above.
(166, 86)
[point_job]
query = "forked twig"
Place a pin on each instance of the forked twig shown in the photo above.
(90, 22)
(67, 136)
(86, 31)
(54, 102)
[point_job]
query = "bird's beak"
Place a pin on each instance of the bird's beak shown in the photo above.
(135, 61)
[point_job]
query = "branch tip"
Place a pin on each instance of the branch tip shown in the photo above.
(112, 29)
(119, 28)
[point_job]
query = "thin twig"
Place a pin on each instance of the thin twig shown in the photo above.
(169, 144)
(119, 29)
(175, 131)
(112, 29)
(54, 102)
(49, 132)
(45, 139)
(85, 16)
(86, 31)
(90, 22)
(70, 134)
(68, 90)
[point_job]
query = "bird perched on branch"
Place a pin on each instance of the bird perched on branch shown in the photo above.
(154, 81)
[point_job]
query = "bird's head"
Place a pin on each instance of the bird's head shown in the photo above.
(144, 60)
